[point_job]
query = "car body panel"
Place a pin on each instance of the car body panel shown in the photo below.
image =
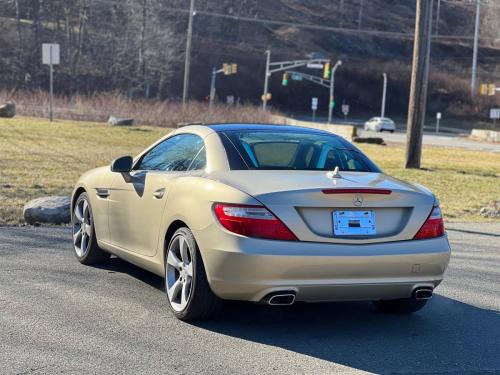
(132, 224)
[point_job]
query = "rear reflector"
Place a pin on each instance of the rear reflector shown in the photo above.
(252, 221)
(433, 226)
(357, 191)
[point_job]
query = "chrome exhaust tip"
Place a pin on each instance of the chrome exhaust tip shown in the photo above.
(281, 299)
(423, 293)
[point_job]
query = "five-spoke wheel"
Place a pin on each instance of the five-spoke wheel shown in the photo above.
(84, 240)
(82, 228)
(189, 294)
(179, 273)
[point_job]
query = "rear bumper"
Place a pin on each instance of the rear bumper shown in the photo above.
(248, 269)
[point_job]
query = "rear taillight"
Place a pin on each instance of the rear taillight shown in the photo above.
(433, 226)
(252, 221)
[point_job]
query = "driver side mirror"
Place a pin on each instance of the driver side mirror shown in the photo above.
(122, 164)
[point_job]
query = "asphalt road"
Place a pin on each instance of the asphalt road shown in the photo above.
(57, 316)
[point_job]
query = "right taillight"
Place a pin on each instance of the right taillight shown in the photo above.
(252, 221)
(433, 226)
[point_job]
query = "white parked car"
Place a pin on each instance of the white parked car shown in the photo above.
(380, 124)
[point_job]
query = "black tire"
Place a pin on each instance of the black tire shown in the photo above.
(392, 131)
(93, 253)
(400, 306)
(202, 303)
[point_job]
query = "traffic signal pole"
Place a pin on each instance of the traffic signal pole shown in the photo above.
(419, 82)
(279, 66)
(332, 88)
(266, 80)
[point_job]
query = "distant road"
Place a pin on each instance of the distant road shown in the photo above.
(58, 316)
(449, 137)
(432, 139)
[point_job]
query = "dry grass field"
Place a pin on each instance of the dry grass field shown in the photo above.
(39, 158)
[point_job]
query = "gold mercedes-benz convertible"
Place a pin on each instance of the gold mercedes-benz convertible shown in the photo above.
(263, 213)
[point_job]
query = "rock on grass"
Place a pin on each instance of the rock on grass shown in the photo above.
(52, 210)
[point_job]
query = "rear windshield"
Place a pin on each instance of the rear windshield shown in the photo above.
(282, 150)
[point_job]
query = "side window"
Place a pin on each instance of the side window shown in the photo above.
(173, 154)
(199, 161)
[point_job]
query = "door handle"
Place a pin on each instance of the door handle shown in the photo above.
(158, 194)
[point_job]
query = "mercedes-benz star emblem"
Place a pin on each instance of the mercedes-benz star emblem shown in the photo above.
(357, 200)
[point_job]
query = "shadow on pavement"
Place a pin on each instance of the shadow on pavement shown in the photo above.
(446, 336)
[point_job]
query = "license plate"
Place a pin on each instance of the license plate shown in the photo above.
(354, 223)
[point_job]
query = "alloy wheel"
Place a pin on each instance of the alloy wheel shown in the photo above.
(82, 227)
(179, 273)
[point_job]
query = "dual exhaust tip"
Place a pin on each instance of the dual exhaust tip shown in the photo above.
(280, 299)
(422, 293)
(288, 298)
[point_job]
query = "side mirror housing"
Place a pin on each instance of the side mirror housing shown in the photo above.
(122, 164)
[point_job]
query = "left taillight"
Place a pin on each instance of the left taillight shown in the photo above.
(252, 221)
(433, 226)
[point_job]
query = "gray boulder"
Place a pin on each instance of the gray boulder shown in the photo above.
(492, 210)
(8, 109)
(53, 210)
(117, 121)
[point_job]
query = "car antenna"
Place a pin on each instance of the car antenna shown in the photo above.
(334, 174)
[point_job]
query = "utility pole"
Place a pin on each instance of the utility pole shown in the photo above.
(187, 62)
(360, 15)
(384, 91)
(438, 10)
(266, 80)
(419, 83)
(473, 82)
(341, 12)
(212, 89)
(332, 88)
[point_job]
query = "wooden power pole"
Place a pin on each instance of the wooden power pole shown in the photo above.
(419, 82)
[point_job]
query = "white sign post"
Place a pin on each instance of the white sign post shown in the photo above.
(314, 107)
(50, 57)
(438, 117)
(495, 114)
(345, 110)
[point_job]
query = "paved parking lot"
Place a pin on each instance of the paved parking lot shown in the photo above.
(57, 316)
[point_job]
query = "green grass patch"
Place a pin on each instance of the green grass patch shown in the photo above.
(39, 158)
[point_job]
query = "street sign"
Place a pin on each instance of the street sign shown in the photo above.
(438, 116)
(50, 57)
(495, 113)
(314, 66)
(50, 54)
(314, 104)
(230, 99)
(296, 77)
(345, 109)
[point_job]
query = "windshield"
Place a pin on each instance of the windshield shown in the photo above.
(282, 150)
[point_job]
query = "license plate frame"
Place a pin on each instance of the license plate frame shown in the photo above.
(354, 223)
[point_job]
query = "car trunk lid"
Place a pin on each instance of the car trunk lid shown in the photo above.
(306, 201)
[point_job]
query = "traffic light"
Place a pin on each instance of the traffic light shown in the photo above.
(284, 82)
(332, 102)
(484, 89)
(234, 68)
(491, 89)
(226, 68)
(326, 71)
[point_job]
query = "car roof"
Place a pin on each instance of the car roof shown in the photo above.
(272, 127)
